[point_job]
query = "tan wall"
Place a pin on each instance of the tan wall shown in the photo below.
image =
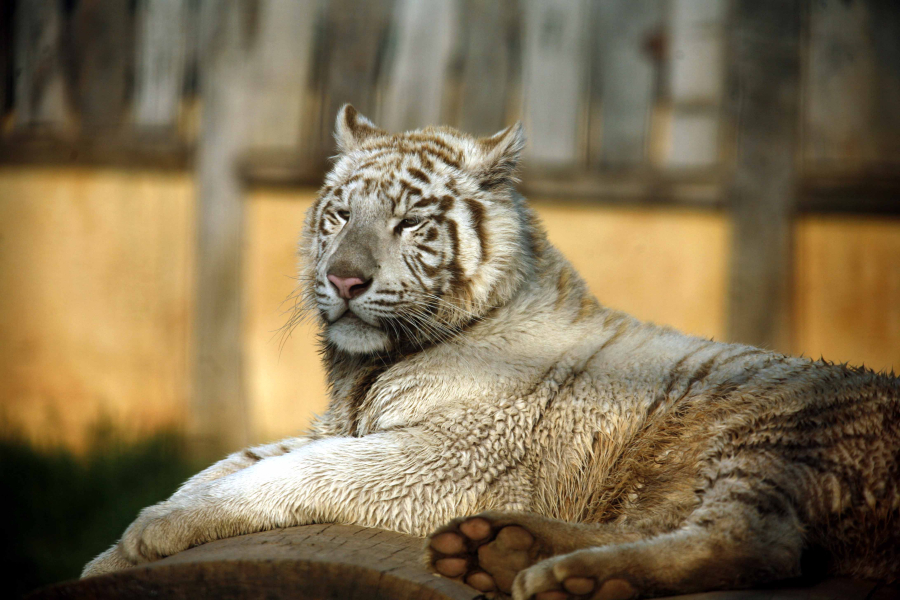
(285, 381)
(95, 300)
(663, 265)
(96, 294)
(847, 290)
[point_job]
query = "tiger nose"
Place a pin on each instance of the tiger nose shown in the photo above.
(349, 287)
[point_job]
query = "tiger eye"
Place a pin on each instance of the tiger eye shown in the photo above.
(408, 223)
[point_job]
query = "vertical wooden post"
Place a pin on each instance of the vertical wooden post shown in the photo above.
(554, 80)
(488, 49)
(696, 76)
(622, 80)
(40, 89)
(348, 65)
(853, 88)
(764, 103)
(102, 46)
(160, 63)
(219, 416)
(425, 33)
(279, 74)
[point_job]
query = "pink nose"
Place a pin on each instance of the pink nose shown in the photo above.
(349, 287)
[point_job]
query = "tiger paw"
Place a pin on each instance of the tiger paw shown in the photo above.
(108, 562)
(487, 551)
(159, 531)
(576, 576)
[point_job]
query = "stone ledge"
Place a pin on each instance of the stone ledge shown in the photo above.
(344, 562)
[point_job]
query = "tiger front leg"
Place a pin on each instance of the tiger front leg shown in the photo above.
(107, 562)
(114, 559)
(394, 480)
(241, 460)
(725, 544)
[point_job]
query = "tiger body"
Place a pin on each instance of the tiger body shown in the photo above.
(471, 370)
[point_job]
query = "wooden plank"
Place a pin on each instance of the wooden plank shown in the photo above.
(279, 76)
(488, 45)
(554, 81)
(424, 37)
(40, 94)
(26, 148)
(160, 62)
(852, 86)
(623, 78)
(696, 77)
(875, 193)
(102, 53)
(764, 104)
(629, 188)
(219, 414)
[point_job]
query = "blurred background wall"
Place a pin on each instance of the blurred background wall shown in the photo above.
(731, 168)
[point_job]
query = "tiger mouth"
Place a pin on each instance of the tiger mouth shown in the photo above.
(351, 317)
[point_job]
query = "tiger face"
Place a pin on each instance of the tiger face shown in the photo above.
(413, 237)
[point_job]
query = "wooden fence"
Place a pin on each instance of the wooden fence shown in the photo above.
(764, 108)
(629, 96)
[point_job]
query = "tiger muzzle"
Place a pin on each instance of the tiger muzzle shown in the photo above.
(352, 267)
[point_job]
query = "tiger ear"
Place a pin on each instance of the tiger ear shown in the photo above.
(499, 160)
(351, 129)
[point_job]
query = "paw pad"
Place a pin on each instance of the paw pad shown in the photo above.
(475, 529)
(448, 543)
(613, 589)
(579, 585)
(450, 567)
(485, 556)
(481, 581)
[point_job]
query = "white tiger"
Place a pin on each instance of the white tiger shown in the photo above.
(472, 371)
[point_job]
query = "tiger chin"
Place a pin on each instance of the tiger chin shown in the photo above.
(548, 446)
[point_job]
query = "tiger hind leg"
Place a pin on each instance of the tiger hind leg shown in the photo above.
(736, 538)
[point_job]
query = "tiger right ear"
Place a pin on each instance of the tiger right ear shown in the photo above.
(351, 129)
(499, 160)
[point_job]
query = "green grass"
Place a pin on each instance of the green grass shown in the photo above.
(62, 509)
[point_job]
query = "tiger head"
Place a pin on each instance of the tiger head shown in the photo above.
(414, 236)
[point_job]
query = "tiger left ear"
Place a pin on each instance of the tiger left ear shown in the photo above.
(351, 129)
(499, 160)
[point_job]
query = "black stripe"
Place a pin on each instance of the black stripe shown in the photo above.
(418, 174)
(477, 211)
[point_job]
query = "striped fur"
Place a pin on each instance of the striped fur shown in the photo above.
(418, 205)
(477, 373)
